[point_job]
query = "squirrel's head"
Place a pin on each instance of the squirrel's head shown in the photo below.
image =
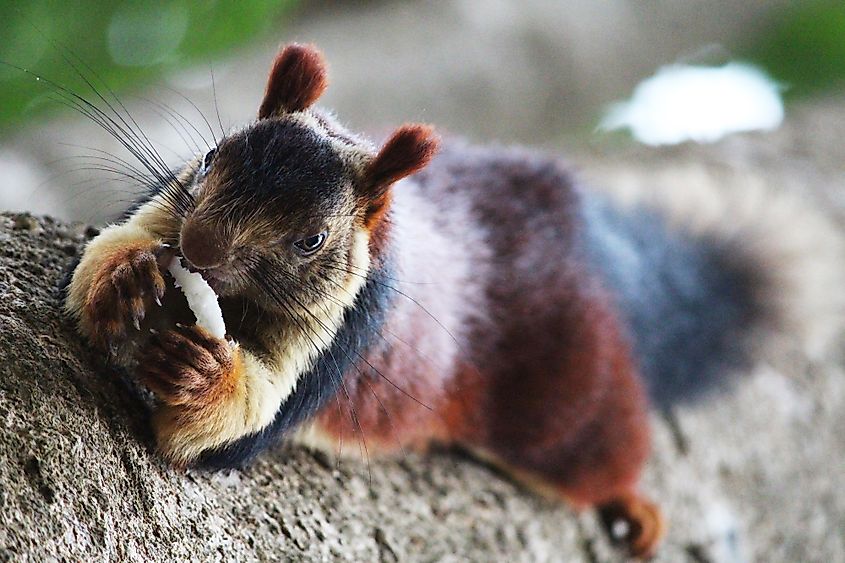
(289, 206)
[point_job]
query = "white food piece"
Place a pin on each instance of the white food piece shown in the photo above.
(201, 299)
(698, 103)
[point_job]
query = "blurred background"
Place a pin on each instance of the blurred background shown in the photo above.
(537, 72)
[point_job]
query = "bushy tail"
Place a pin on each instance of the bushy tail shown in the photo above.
(711, 273)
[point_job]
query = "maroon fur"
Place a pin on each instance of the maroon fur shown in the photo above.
(407, 150)
(297, 79)
(542, 378)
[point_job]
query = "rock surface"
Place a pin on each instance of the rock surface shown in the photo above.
(754, 474)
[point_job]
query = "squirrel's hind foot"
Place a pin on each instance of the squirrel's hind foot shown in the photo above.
(635, 522)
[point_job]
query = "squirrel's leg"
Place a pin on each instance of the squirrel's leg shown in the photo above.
(212, 393)
(636, 521)
(119, 275)
(605, 461)
(600, 468)
(602, 465)
(580, 431)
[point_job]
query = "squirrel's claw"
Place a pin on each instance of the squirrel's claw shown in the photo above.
(119, 294)
(186, 367)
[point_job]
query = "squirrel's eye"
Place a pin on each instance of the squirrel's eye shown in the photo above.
(208, 159)
(310, 245)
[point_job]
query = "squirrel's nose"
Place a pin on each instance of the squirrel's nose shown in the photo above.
(202, 245)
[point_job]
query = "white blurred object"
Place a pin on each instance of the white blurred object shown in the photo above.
(201, 299)
(682, 103)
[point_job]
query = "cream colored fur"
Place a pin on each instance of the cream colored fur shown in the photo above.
(266, 382)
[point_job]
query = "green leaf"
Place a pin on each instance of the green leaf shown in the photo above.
(804, 47)
(123, 44)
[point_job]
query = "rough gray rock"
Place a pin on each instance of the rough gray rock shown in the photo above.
(757, 473)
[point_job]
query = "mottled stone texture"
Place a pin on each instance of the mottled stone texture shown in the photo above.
(757, 473)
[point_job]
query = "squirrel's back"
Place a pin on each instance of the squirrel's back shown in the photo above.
(697, 289)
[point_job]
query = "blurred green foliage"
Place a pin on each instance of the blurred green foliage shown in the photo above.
(128, 43)
(803, 47)
(124, 42)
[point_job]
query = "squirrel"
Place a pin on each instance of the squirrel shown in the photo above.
(426, 293)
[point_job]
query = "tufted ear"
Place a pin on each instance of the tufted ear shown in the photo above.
(297, 79)
(408, 150)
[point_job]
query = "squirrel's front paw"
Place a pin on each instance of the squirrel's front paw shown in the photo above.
(127, 281)
(188, 368)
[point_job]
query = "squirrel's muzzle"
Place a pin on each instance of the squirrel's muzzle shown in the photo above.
(202, 246)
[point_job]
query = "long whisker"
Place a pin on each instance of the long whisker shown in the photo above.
(168, 184)
(216, 106)
(334, 265)
(244, 278)
(352, 411)
(414, 349)
(333, 299)
(197, 109)
(382, 407)
(361, 357)
(267, 283)
(134, 131)
(131, 136)
(107, 156)
(175, 120)
(362, 376)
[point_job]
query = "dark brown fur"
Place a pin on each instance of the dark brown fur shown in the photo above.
(544, 382)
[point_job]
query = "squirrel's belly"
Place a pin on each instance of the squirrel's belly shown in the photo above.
(343, 436)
